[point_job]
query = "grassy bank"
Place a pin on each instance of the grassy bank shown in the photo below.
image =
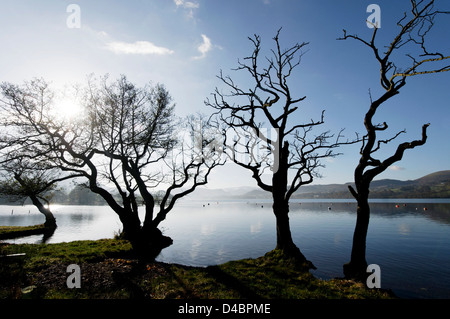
(108, 270)
(7, 232)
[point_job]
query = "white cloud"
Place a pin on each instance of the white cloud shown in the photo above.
(189, 5)
(102, 34)
(396, 168)
(138, 47)
(108, 42)
(204, 48)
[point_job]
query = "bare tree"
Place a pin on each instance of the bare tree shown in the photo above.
(21, 186)
(21, 181)
(262, 135)
(415, 27)
(121, 144)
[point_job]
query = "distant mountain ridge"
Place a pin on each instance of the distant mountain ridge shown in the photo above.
(434, 185)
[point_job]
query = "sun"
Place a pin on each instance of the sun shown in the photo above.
(67, 109)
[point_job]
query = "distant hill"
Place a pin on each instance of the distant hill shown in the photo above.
(225, 193)
(435, 185)
(435, 178)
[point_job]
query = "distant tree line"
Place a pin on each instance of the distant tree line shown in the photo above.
(78, 195)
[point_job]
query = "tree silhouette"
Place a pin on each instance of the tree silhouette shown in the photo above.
(25, 178)
(261, 136)
(33, 185)
(415, 27)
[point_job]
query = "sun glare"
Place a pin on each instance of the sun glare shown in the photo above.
(67, 109)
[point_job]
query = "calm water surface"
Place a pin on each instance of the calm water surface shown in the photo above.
(410, 244)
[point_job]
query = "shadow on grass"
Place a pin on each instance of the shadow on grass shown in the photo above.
(232, 282)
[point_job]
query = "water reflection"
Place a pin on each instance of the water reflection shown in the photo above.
(21, 220)
(404, 229)
(439, 212)
(208, 229)
(79, 217)
(256, 228)
(74, 223)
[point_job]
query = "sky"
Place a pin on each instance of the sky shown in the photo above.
(184, 45)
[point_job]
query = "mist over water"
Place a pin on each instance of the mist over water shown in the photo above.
(408, 239)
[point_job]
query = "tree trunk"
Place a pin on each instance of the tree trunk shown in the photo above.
(281, 210)
(155, 241)
(284, 236)
(357, 266)
(50, 220)
(131, 225)
(147, 241)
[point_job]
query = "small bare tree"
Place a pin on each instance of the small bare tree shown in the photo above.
(262, 135)
(18, 188)
(415, 26)
(20, 181)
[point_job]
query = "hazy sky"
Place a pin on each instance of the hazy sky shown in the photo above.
(184, 44)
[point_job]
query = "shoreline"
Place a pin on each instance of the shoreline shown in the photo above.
(11, 232)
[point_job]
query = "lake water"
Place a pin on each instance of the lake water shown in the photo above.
(410, 244)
